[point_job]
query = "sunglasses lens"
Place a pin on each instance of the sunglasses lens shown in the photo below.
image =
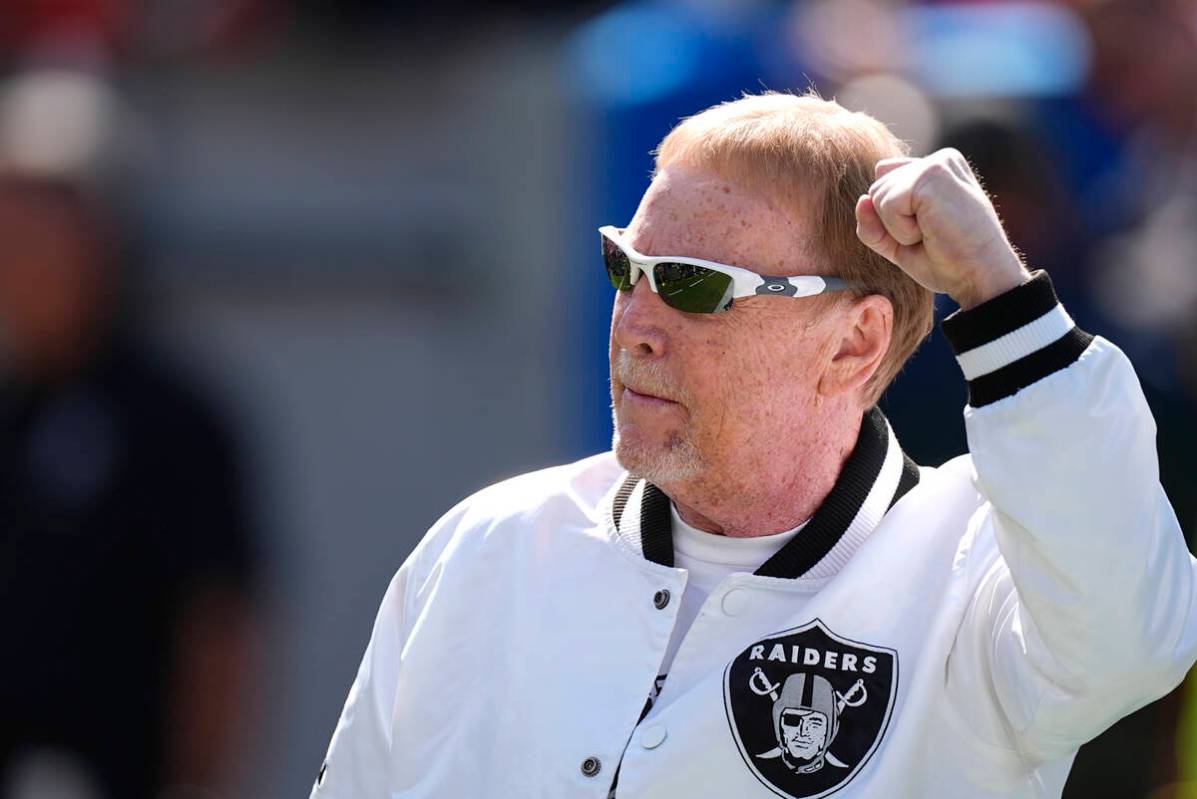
(619, 269)
(694, 289)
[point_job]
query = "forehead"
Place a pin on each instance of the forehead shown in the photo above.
(698, 213)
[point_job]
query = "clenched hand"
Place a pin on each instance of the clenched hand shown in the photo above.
(931, 217)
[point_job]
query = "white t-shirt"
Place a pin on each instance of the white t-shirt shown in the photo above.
(710, 557)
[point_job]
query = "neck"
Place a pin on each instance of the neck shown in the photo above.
(770, 492)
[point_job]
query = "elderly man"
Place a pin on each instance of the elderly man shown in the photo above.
(758, 546)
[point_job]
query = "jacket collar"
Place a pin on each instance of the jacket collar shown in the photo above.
(876, 475)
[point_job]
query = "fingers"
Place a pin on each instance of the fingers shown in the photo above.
(887, 165)
(892, 194)
(871, 230)
(895, 210)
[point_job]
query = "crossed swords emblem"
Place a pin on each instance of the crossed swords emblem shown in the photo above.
(856, 696)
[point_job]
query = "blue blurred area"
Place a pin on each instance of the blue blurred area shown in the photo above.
(1022, 49)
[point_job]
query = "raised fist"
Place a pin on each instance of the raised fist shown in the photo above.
(931, 217)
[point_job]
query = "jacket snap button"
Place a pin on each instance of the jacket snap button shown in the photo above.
(652, 737)
(591, 766)
(734, 602)
(661, 599)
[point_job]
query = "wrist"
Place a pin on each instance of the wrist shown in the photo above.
(1013, 340)
(989, 284)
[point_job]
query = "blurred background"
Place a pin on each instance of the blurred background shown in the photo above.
(282, 280)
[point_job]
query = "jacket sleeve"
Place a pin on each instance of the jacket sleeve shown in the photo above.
(1089, 612)
(359, 762)
(357, 765)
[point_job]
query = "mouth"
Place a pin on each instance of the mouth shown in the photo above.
(644, 398)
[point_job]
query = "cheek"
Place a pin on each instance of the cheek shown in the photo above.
(755, 386)
(776, 371)
(742, 383)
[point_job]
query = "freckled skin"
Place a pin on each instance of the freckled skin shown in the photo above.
(768, 406)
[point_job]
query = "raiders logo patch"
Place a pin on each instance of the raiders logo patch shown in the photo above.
(808, 708)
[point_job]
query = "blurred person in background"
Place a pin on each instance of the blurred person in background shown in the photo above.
(126, 564)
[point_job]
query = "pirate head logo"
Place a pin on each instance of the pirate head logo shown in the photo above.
(806, 717)
(807, 708)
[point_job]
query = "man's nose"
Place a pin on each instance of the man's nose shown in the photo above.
(640, 318)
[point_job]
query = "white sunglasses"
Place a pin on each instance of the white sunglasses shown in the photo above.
(697, 286)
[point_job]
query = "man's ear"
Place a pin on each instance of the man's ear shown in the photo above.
(865, 329)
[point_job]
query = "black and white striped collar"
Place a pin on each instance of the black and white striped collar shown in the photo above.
(876, 475)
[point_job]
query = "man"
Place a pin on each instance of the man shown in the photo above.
(758, 521)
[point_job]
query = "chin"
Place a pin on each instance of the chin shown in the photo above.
(673, 460)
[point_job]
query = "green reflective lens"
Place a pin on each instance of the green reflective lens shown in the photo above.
(694, 289)
(619, 268)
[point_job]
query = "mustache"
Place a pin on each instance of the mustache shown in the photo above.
(645, 377)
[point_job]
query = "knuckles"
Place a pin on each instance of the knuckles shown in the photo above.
(943, 176)
(949, 154)
(945, 172)
(935, 173)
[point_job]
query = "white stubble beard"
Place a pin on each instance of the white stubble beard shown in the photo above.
(677, 459)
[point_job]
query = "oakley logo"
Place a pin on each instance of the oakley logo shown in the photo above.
(771, 284)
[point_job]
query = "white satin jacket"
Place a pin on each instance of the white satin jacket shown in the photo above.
(953, 632)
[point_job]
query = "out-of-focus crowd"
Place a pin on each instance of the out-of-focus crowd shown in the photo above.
(136, 587)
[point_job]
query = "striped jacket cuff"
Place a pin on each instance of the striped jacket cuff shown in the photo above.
(1013, 340)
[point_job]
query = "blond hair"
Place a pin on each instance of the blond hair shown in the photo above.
(816, 158)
